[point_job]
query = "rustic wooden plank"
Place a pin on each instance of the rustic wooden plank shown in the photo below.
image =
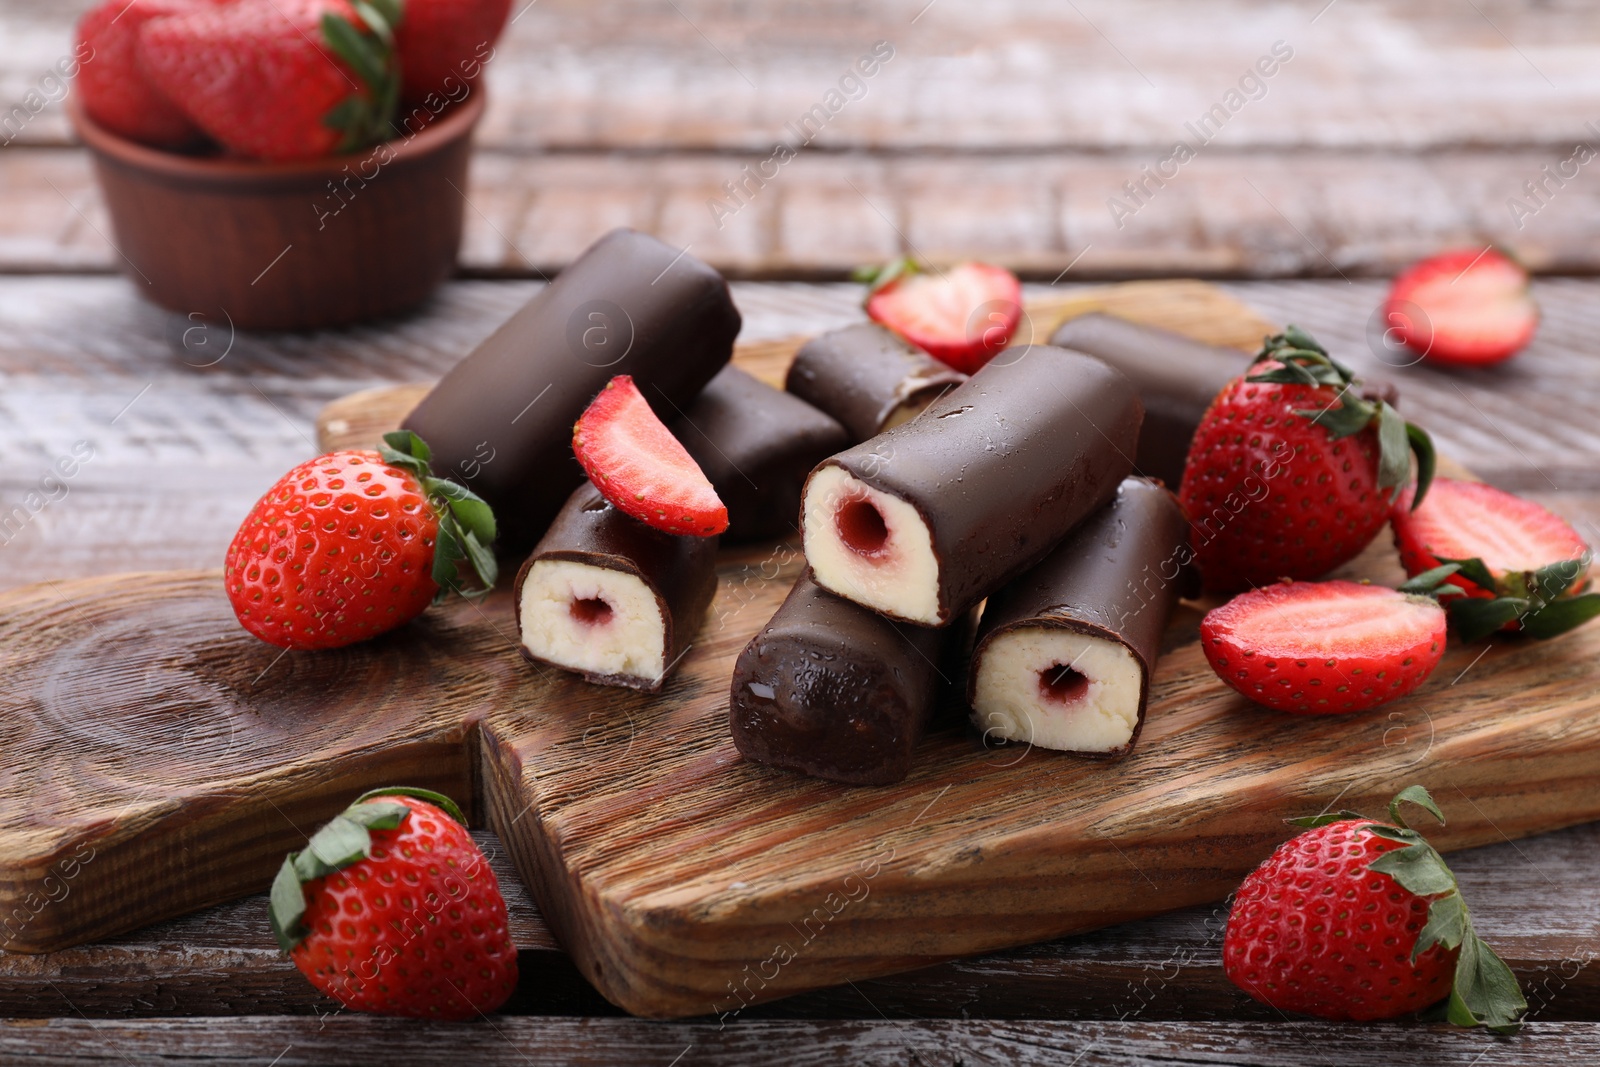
(671, 868)
(293, 1042)
(725, 75)
(85, 359)
(1229, 212)
(223, 961)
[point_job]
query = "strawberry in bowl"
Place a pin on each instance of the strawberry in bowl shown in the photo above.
(254, 155)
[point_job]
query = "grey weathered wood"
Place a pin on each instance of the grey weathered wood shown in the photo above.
(183, 450)
(1230, 212)
(292, 1042)
(705, 74)
(223, 961)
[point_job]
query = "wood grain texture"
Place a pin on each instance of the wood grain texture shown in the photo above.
(720, 74)
(681, 880)
(1396, 128)
(1230, 212)
(223, 961)
(869, 1043)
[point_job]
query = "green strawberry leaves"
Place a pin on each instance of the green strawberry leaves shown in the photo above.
(345, 841)
(1484, 991)
(876, 278)
(466, 523)
(367, 117)
(1302, 361)
(1433, 583)
(1534, 598)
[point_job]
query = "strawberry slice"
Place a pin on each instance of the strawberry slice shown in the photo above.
(962, 316)
(1465, 520)
(1524, 568)
(1324, 648)
(1469, 307)
(636, 463)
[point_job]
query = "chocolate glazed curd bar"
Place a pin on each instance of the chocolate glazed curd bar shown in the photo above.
(1177, 379)
(611, 598)
(925, 520)
(756, 444)
(501, 421)
(833, 690)
(868, 378)
(1065, 652)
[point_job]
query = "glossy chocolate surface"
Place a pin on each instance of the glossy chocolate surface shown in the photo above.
(834, 691)
(757, 444)
(680, 570)
(1117, 577)
(1177, 379)
(501, 421)
(861, 374)
(1003, 467)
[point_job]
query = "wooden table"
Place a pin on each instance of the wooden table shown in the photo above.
(995, 130)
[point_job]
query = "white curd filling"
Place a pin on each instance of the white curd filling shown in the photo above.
(591, 619)
(1057, 689)
(870, 547)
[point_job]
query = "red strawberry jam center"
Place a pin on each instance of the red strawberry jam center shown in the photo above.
(861, 527)
(1060, 684)
(591, 611)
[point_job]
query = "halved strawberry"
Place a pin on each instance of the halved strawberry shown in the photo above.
(1469, 307)
(636, 463)
(961, 316)
(1324, 648)
(1520, 565)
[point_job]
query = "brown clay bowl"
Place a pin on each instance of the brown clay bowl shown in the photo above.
(288, 246)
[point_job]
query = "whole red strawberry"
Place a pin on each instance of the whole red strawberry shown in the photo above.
(1324, 648)
(1356, 920)
(1291, 471)
(353, 544)
(280, 79)
(1522, 567)
(444, 44)
(961, 316)
(116, 93)
(392, 908)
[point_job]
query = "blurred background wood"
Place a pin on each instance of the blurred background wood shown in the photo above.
(997, 129)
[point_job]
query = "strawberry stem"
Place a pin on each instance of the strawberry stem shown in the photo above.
(1484, 991)
(877, 278)
(1302, 361)
(1535, 599)
(466, 523)
(366, 117)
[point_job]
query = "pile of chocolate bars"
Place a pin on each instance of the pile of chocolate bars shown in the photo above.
(921, 497)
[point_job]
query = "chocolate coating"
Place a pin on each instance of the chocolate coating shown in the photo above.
(680, 570)
(1002, 468)
(1177, 379)
(757, 444)
(501, 421)
(861, 374)
(1116, 577)
(833, 690)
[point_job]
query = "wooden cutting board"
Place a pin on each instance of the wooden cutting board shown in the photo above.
(160, 760)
